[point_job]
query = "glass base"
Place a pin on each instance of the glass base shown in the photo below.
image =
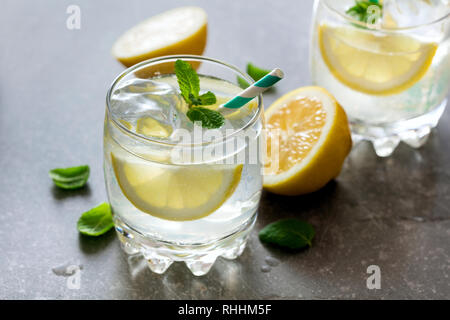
(199, 258)
(385, 138)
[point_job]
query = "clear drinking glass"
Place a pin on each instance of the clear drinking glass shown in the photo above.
(392, 76)
(179, 192)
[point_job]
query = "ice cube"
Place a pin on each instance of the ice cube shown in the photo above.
(152, 128)
(408, 13)
(146, 99)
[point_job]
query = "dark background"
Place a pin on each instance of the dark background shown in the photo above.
(391, 212)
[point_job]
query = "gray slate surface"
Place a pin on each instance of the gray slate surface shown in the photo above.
(390, 212)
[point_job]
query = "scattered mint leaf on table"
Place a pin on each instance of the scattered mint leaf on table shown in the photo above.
(288, 233)
(70, 178)
(243, 83)
(254, 72)
(96, 221)
(189, 84)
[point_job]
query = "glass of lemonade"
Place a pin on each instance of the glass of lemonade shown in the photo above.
(180, 192)
(391, 72)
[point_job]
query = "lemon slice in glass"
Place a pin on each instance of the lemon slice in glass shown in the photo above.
(374, 63)
(175, 192)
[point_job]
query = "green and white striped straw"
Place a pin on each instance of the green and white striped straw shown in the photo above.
(252, 91)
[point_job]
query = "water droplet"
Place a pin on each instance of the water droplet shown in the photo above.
(265, 268)
(271, 261)
(68, 269)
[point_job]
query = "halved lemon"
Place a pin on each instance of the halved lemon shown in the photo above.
(373, 63)
(178, 31)
(175, 192)
(308, 139)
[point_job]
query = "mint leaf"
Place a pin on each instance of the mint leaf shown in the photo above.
(207, 99)
(288, 233)
(210, 119)
(255, 72)
(243, 83)
(70, 178)
(96, 221)
(187, 80)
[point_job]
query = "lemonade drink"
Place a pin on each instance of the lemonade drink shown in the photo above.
(392, 78)
(173, 200)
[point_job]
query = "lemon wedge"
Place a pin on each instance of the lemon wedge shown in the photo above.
(178, 31)
(177, 193)
(313, 141)
(373, 63)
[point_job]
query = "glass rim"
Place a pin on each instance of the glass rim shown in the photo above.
(225, 137)
(383, 29)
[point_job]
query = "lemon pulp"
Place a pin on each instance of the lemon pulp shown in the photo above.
(312, 143)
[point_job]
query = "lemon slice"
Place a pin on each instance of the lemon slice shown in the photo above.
(178, 31)
(314, 140)
(368, 62)
(175, 192)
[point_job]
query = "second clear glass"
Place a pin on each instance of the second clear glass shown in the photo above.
(392, 80)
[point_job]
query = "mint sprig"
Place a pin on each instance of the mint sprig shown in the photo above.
(189, 84)
(70, 178)
(288, 233)
(96, 221)
(361, 13)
